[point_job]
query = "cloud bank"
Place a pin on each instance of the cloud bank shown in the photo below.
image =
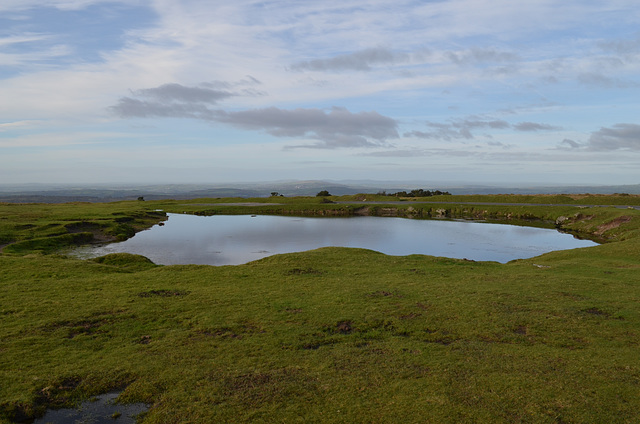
(363, 60)
(335, 128)
(617, 137)
(464, 129)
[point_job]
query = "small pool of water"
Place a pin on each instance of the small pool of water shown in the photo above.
(238, 239)
(100, 410)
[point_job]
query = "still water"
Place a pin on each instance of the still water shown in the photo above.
(238, 239)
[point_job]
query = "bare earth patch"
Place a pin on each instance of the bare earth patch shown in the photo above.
(612, 224)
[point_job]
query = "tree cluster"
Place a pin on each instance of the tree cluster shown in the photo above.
(417, 193)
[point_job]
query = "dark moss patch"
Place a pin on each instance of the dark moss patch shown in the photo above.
(317, 344)
(442, 337)
(294, 310)
(597, 312)
(259, 387)
(304, 271)
(87, 326)
(79, 227)
(238, 331)
(410, 315)
(341, 327)
(49, 244)
(573, 296)
(422, 306)
(124, 219)
(163, 293)
(57, 395)
(222, 332)
(385, 293)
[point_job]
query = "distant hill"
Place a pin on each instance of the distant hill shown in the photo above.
(42, 193)
(628, 189)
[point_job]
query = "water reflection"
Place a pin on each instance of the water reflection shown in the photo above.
(233, 240)
(100, 410)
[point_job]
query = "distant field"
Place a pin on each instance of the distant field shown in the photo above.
(332, 335)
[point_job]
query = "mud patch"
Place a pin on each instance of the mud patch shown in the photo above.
(344, 327)
(294, 310)
(144, 340)
(90, 227)
(612, 225)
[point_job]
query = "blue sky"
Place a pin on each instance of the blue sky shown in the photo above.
(195, 91)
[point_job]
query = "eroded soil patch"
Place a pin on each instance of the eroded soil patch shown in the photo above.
(99, 236)
(612, 224)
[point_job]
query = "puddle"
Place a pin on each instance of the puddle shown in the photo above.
(99, 410)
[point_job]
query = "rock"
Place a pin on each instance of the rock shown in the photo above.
(441, 213)
(561, 220)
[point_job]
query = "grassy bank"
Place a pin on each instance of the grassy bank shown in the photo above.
(331, 335)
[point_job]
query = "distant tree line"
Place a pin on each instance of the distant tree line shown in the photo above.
(416, 193)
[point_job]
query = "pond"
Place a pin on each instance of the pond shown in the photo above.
(238, 239)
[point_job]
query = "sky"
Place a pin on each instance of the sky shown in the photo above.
(197, 91)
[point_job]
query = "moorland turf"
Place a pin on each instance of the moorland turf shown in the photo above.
(331, 335)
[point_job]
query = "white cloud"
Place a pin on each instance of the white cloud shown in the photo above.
(58, 140)
(22, 5)
(18, 124)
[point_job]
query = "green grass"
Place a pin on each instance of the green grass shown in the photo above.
(331, 335)
(46, 228)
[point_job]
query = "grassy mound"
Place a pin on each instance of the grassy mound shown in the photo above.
(126, 261)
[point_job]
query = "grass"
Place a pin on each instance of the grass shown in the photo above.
(331, 335)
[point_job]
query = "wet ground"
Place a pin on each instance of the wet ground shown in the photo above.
(99, 410)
